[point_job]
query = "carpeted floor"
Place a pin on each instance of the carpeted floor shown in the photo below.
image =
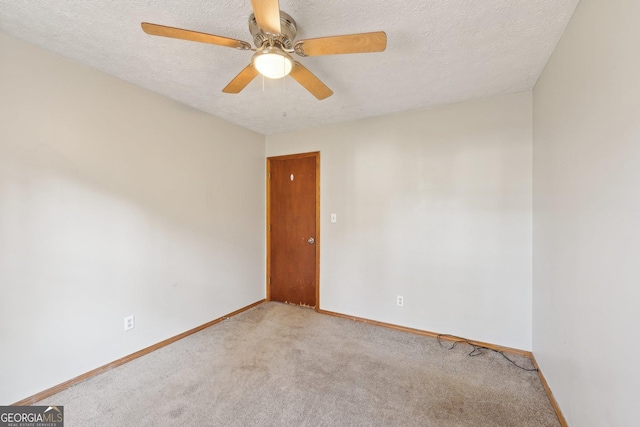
(280, 365)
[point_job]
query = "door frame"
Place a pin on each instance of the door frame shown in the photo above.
(315, 154)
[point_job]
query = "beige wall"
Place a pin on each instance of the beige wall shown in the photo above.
(432, 205)
(587, 216)
(114, 201)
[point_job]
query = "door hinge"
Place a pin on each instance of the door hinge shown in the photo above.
(269, 280)
(269, 175)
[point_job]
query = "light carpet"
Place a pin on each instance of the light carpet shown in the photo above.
(281, 365)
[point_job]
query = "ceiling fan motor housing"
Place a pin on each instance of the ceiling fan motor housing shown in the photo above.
(284, 39)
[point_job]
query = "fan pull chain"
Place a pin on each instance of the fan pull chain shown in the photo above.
(284, 93)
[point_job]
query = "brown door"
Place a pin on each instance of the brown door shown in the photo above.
(292, 229)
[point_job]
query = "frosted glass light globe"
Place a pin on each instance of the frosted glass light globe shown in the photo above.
(272, 62)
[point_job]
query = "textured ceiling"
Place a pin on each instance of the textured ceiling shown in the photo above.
(438, 52)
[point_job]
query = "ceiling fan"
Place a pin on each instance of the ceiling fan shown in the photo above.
(273, 34)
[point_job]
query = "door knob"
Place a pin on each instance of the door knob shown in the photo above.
(311, 240)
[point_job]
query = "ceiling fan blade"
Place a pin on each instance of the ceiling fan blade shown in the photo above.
(351, 43)
(310, 82)
(267, 13)
(178, 33)
(241, 81)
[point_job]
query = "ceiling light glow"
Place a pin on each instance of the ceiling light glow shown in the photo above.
(272, 62)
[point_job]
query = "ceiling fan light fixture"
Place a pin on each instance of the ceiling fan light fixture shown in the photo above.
(272, 62)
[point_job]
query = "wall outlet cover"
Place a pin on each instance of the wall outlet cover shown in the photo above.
(129, 322)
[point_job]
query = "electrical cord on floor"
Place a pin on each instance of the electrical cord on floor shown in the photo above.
(477, 350)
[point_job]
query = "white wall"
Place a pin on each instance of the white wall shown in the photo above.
(587, 216)
(114, 201)
(433, 205)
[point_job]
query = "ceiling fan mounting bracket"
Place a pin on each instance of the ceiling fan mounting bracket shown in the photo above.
(284, 39)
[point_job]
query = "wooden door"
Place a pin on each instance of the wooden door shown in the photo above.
(293, 229)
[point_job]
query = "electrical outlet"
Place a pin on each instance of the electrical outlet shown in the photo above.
(400, 300)
(129, 323)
